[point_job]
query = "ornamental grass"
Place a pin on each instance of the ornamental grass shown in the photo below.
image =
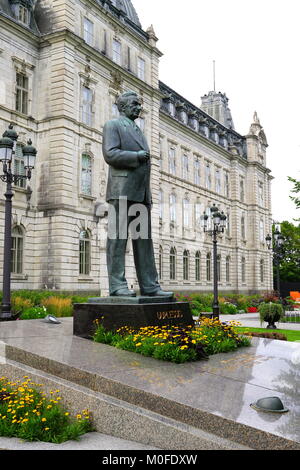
(174, 343)
(26, 412)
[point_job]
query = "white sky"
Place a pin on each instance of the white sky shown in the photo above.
(255, 45)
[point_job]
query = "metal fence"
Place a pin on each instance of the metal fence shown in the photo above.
(292, 316)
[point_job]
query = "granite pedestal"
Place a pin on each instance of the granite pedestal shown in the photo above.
(116, 312)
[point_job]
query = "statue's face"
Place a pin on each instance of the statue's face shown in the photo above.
(132, 108)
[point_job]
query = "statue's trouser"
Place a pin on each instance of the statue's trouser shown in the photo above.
(134, 218)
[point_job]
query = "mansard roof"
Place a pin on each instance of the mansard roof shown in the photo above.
(128, 8)
(6, 8)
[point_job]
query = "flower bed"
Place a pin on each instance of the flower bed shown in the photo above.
(26, 412)
(174, 343)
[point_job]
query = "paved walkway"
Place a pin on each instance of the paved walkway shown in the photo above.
(252, 320)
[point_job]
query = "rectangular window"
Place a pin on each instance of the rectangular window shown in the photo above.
(141, 66)
(19, 166)
(21, 93)
(185, 167)
(117, 51)
(186, 213)
(226, 184)
(172, 208)
(87, 106)
(172, 162)
(197, 171)
(23, 15)
(88, 31)
(207, 176)
(218, 181)
(260, 194)
(242, 190)
(86, 174)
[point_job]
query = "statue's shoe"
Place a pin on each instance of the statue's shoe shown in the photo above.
(124, 293)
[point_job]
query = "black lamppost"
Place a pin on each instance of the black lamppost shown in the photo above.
(276, 244)
(7, 151)
(215, 228)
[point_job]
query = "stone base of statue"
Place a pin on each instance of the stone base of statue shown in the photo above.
(136, 312)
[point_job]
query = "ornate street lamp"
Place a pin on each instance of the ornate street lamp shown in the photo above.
(215, 228)
(276, 243)
(7, 151)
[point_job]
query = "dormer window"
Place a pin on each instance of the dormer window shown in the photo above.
(23, 15)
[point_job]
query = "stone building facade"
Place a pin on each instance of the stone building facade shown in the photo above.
(63, 63)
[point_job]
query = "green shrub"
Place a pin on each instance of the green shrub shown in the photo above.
(33, 313)
(19, 304)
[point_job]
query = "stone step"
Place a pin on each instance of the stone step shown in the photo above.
(117, 418)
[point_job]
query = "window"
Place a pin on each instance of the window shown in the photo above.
(22, 93)
(218, 181)
(17, 250)
(184, 117)
(23, 15)
(160, 263)
(172, 264)
(262, 270)
(198, 214)
(197, 171)
(227, 268)
(261, 231)
(208, 267)
(186, 213)
(197, 266)
(86, 174)
(141, 68)
(185, 166)
(243, 231)
(87, 106)
(88, 31)
(116, 51)
(19, 166)
(243, 268)
(242, 190)
(207, 176)
(219, 268)
(160, 201)
(228, 224)
(172, 161)
(186, 263)
(260, 194)
(226, 184)
(84, 253)
(172, 208)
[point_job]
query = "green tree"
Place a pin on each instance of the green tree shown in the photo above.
(290, 252)
(295, 190)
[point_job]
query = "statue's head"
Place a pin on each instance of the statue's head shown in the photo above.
(129, 104)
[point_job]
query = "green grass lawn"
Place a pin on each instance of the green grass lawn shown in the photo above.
(292, 335)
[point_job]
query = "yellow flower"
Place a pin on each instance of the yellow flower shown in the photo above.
(44, 419)
(78, 416)
(67, 414)
(139, 344)
(47, 429)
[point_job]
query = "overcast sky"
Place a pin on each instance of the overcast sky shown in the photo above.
(255, 46)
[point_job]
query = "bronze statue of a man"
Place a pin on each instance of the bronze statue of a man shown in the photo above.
(127, 153)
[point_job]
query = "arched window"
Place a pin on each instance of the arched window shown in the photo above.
(262, 270)
(208, 267)
(172, 264)
(227, 268)
(17, 248)
(197, 266)
(243, 267)
(86, 174)
(84, 253)
(186, 267)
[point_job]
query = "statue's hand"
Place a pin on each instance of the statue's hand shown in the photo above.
(143, 156)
